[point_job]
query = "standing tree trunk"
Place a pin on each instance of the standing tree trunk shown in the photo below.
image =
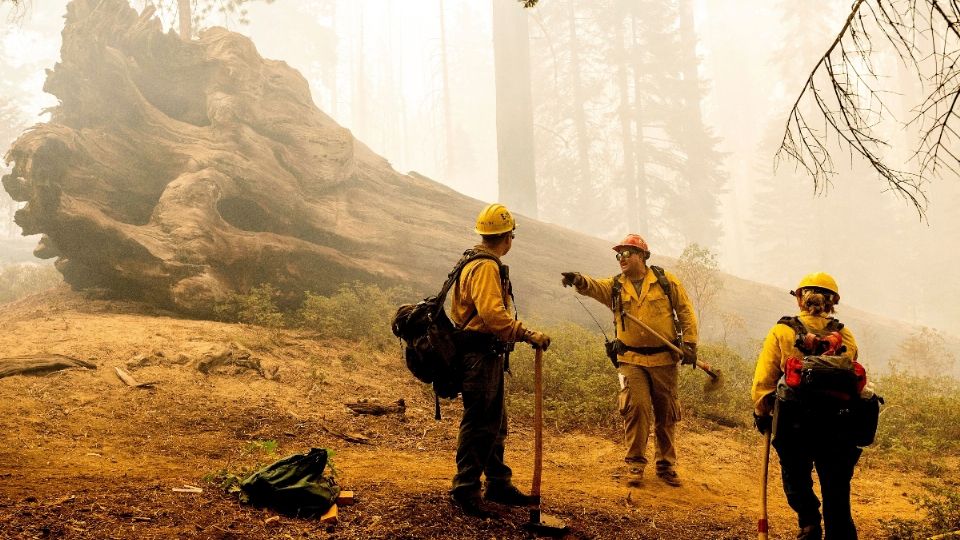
(579, 114)
(699, 216)
(334, 79)
(358, 102)
(639, 154)
(515, 152)
(626, 133)
(395, 84)
(447, 111)
(185, 14)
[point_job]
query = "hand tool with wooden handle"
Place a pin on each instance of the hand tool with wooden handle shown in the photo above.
(702, 365)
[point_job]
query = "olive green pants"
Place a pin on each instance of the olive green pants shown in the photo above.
(483, 428)
(648, 395)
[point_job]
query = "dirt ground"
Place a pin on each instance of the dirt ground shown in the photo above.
(88, 457)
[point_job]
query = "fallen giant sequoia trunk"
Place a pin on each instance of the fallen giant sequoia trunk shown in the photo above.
(179, 173)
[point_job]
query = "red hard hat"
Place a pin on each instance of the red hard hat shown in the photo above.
(634, 241)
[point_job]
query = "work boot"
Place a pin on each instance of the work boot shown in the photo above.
(810, 532)
(470, 504)
(669, 477)
(507, 494)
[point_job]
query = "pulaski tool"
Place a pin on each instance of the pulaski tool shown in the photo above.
(540, 523)
(715, 380)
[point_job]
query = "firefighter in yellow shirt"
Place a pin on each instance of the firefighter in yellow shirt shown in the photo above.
(481, 305)
(647, 368)
(807, 433)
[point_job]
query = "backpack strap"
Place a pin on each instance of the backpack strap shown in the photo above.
(799, 331)
(453, 279)
(454, 275)
(669, 291)
(794, 323)
(833, 325)
(616, 305)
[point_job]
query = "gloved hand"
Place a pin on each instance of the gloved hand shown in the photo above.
(572, 279)
(764, 423)
(539, 340)
(689, 354)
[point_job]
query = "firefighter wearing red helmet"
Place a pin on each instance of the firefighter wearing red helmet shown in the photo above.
(647, 368)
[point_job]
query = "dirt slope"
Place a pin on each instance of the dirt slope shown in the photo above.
(88, 457)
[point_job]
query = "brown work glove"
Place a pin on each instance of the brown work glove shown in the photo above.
(539, 340)
(689, 356)
(572, 278)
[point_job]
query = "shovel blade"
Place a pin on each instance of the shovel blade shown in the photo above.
(546, 525)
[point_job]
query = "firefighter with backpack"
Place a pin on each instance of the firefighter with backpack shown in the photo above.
(646, 367)
(481, 304)
(807, 389)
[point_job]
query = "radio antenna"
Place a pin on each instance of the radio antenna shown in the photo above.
(592, 317)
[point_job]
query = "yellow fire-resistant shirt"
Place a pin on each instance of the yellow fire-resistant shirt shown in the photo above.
(778, 346)
(652, 306)
(480, 291)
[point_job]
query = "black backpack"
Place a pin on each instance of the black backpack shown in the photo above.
(431, 339)
(818, 396)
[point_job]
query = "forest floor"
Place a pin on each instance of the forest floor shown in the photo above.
(88, 457)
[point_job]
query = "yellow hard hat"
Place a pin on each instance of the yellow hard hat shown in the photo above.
(821, 280)
(495, 219)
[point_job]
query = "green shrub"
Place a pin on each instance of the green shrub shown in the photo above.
(19, 280)
(358, 311)
(941, 506)
(580, 385)
(921, 417)
(259, 307)
(727, 403)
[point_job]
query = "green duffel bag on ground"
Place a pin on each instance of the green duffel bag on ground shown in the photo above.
(295, 485)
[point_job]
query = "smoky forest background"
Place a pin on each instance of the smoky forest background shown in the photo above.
(659, 117)
(288, 172)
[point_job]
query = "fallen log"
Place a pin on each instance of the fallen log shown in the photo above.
(376, 409)
(40, 364)
(355, 438)
(130, 381)
(234, 356)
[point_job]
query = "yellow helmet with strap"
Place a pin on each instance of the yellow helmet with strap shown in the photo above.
(820, 280)
(495, 219)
